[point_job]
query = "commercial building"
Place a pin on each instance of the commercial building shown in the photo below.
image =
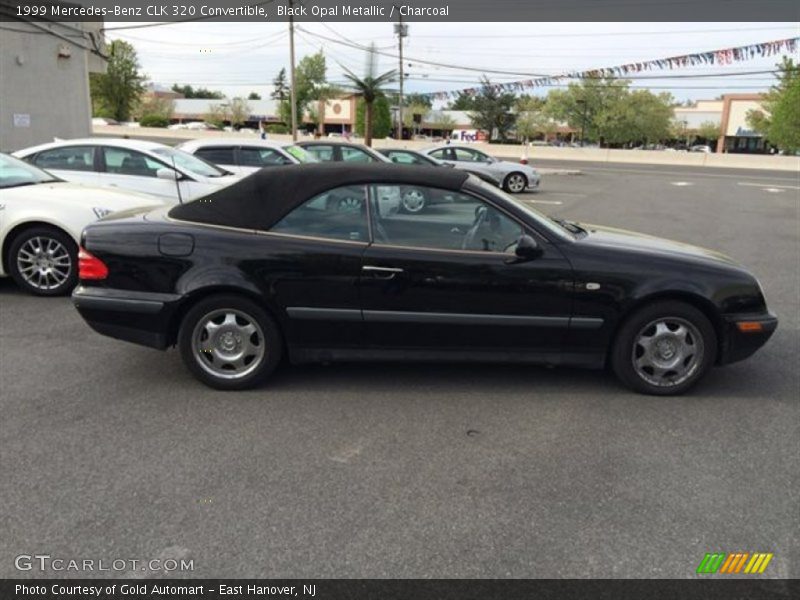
(44, 77)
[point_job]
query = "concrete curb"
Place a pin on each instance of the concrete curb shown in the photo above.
(546, 171)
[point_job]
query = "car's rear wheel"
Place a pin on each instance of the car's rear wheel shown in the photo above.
(229, 343)
(413, 200)
(44, 261)
(664, 348)
(515, 183)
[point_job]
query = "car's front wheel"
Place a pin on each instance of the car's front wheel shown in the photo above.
(44, 261)
(229, 343)
(664, 348)
(515, 183)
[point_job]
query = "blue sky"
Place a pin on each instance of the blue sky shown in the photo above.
(238, 58)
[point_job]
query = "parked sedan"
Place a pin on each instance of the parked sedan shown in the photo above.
(246, 156)
(235, 283)
(129, 165)
(512, 177)
(41, 219)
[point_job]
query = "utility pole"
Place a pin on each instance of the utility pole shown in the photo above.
(401, 31)
(291, 70)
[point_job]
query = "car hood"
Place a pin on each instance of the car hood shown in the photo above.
(622, 239)
(76, 194)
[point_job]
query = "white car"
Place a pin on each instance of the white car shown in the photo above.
(510, 176)
(244, 156)
(126, 164)
(41, 220)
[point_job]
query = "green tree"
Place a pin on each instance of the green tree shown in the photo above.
(370, 87)
(116, 92)
(463, 101)
(310, 84)
(155, 111)
(238, 111)
(189, 92)
(254, 96)
(584, 102)
(280, 89)
(491, 110)
(442, 121)
(381, 117)
(532, 119)
(709, 131)
(780, 119)
(637, 116)
(217, 115)
(414, 99)
(410, 111)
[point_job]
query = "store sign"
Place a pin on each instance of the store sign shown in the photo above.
(22, 120)
(469, 135)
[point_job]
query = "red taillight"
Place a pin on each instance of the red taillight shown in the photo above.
(90, 267)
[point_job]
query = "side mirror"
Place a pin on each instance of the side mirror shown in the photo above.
(527, 249)
(395, 159)
(169, 174)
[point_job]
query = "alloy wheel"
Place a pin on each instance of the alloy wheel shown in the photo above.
(228, 343)
(516, 183)
(667, 351)
(44, 263)
(413, 201)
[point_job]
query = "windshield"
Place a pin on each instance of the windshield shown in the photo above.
(540, 218)
(188, 162)
(14, 172)
(301, 154)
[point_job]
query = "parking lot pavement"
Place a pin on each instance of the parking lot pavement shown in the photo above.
(109, 450)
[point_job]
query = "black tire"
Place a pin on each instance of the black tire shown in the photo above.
(206, 365)
(510, 183)
(57, 247)
(675, 366)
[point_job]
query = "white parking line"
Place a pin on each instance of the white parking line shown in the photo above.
(681, 183)
(769, 185)
(556, 202)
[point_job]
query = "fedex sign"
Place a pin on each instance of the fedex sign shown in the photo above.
(470, 135)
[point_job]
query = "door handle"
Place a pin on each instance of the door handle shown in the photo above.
(381, 272)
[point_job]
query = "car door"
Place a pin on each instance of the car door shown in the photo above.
(77, 164)
(447, 279)
(128, 169)
(315, 274)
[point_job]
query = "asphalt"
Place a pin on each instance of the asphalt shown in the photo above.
(113, 451)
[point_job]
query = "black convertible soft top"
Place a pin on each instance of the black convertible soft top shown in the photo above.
(265, 197)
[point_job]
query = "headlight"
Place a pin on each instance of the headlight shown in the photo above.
(101, 212)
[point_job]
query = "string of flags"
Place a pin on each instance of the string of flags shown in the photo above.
(725, 56)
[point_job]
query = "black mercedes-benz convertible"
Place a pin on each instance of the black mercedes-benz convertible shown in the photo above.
(320, 263)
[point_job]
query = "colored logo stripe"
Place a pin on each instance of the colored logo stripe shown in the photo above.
(734, 562)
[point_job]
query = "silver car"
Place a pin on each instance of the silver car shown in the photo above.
(512, 177)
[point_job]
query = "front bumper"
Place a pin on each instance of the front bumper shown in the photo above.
(744, 334)
(139, 317)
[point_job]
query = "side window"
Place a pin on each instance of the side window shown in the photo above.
(438, 154)
(261, 157)
(355, 155)
(404, 158)
(462, 154)
(219, 155)
(71, 158)
(339, 214)
(321, 152)
(121, 161)
(449, 220)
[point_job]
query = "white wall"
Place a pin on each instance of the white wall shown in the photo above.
(53, 91)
